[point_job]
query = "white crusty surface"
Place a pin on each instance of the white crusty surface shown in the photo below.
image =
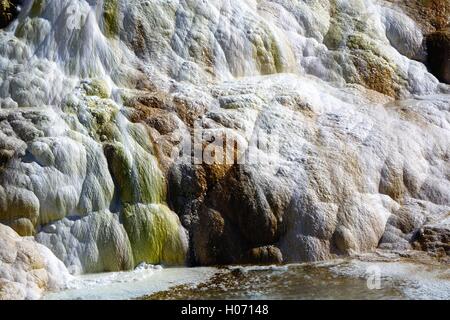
(304, 72)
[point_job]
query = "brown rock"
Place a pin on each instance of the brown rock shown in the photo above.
(230, 218)
(265, 255)
(435, 239)
(216, 240)
(431, 15)
(239, 199)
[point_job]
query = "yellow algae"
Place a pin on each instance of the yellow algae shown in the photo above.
(156, 234)
(111, 17)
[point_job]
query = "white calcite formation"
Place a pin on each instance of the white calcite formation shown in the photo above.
(27, 268)
(98, 98)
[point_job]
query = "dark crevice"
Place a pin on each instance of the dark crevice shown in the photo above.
(9, 10)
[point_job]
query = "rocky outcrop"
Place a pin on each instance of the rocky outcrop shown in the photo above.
(27, 268)
(297, 200)
(101, 200)
(102, 104)
(433, 20)
(229, 205)
(435, 238)
(405, 227)
(430, 15)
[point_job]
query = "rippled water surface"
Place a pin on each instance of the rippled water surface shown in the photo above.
(339, 279)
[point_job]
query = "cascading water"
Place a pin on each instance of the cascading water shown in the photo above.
(98, 98)
(95, 194)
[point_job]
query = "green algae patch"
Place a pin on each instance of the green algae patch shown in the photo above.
(98, 115)
(374, 73)
(111, 17)
(360, 41)
(97, 87)
(156, 234)
(19, 209)
(141, 135)
(37, 7)
(23, 226)
(267, 51)
(374, 70)
(120, 164)
(113, 245)
(276, 55)
(335, 38)
(136, 174)
(150, 178)
(102, 124)
(267, 55)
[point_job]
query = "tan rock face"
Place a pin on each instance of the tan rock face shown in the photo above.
(27, 268)
(431, 15)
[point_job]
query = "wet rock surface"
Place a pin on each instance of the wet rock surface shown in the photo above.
(435, 239)
(99, 100)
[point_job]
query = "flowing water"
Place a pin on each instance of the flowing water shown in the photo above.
(98, 99)
(337, 279)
